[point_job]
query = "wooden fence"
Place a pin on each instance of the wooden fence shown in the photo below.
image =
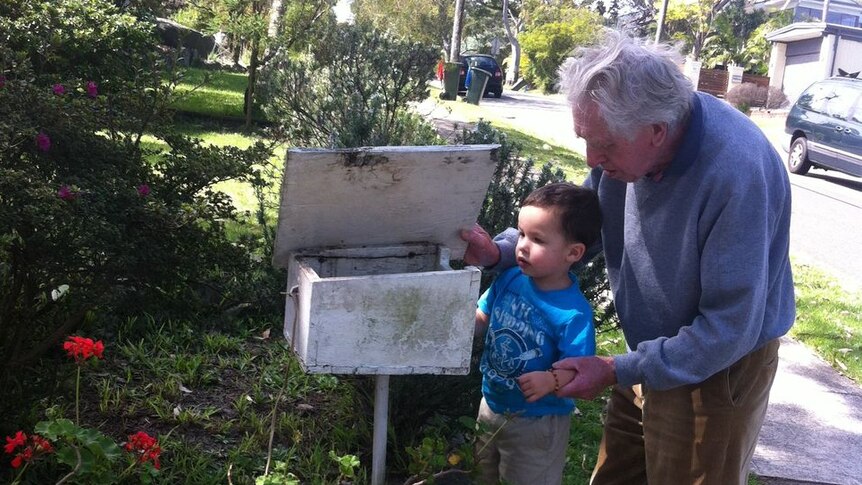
(714, 81)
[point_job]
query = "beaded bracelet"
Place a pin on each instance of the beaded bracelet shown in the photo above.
(556, 381)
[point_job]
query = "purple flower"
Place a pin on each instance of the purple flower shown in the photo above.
(2, 81)
(43, 142)
(66, 193)
(92, 89)
(143, 190)
(59, 90)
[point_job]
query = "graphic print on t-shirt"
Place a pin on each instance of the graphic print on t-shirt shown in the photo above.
(514, 338)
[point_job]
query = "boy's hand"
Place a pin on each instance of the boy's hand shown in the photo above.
(536, 385)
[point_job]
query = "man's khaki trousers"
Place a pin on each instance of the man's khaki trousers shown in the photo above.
(701, 434)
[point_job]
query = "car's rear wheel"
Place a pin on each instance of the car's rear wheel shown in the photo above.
(797, 159)
(498, 93)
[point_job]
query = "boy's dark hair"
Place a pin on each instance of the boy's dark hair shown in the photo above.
(580, 213)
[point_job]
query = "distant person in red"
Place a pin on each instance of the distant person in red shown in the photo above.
(440, 70)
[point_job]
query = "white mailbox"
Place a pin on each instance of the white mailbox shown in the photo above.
(366, 236)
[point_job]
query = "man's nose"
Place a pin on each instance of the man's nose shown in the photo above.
(594, 159)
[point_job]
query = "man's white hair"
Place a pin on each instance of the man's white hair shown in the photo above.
(634, 84)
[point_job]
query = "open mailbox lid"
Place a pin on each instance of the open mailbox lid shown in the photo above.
(381, 196)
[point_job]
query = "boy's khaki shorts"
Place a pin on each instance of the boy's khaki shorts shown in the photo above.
(525, 451)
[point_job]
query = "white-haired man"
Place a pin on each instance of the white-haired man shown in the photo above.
(695, 236)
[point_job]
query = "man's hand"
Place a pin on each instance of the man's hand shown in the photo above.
(481, 250)
(536, 385)
(592, 375)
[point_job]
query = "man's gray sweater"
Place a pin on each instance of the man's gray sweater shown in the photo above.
(698, 261)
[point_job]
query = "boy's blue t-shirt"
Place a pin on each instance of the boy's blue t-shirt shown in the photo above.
(528, 330)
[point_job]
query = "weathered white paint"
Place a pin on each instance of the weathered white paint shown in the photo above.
(366, 236)
(360, 317)
(381, 196)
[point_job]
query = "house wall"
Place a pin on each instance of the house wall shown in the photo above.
(848, 56)
(806, 61)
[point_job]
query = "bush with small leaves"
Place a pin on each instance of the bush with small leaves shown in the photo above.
(775, 98)
(352, 89)
(95, 224)
(746, 96)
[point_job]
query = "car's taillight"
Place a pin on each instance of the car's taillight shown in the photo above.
(463, 71)
(498, 74)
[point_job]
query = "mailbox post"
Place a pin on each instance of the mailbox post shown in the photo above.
(366, 236)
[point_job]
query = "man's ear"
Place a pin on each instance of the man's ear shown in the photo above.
(576, 252)
(659, 134)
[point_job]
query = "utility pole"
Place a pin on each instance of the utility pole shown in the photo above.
(660, 27)
(825, 10)
(455, 48)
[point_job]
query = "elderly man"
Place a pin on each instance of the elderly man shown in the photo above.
(697, 216)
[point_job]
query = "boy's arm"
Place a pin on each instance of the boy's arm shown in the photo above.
(538, 384)
(481, 325)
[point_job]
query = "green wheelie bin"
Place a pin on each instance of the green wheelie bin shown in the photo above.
(478, 81)
(451, 73)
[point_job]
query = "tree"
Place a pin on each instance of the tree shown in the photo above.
(547, 44)
(692, 23)
(757, 49)
(425, 21)
(351, 89)
(732, 28)
(263, 27)
(457, 26)
(515, 66)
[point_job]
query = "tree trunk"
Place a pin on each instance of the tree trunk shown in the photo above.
(252, 82)
(515, 65)
(455, 47)
(660, 28)
(276, 12)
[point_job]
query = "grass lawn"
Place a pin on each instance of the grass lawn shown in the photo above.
(211, 93)
(829, 320)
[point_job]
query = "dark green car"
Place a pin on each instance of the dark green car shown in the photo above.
(825, 127)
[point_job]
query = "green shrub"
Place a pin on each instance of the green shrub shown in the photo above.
(92, 226)
(547, 45)
(747, 95)
(352, 89)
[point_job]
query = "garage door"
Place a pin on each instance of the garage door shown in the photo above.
(801, 67)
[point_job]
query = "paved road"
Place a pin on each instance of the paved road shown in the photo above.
(827, 206)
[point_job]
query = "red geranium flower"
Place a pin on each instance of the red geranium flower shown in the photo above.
(81, 349)
(58, 89)
(2, 81)
(143, 190)
(145, 447)
(37, 446)
(12, 443)
(92, 89)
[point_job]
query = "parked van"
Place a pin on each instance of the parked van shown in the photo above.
(825, 127)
